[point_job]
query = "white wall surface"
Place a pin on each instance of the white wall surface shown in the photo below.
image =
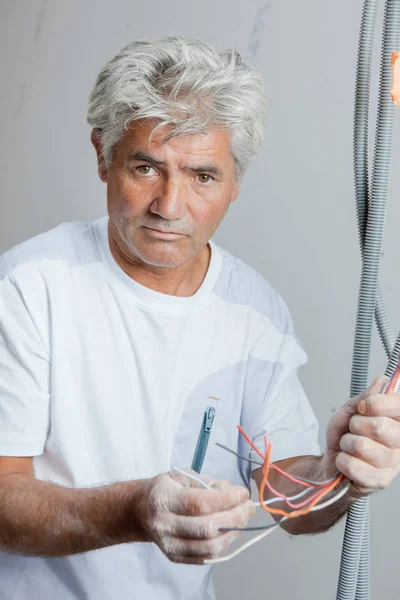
(294, 220)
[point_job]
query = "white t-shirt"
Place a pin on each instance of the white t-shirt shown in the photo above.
(104, 380)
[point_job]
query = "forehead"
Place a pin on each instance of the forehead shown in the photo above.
(216, 143)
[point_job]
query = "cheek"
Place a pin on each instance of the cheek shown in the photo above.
(212, 214)
(125, 197)
(123, 189)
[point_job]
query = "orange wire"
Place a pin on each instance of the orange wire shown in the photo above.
(265, 470)
(248, 440)
(295, 513)
(274, 467)
(305, 511)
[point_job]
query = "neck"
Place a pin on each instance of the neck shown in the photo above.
(182, 281)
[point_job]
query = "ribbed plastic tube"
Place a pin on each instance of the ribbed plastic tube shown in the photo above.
(357, 530)
(360, 149)
(354, 579)
(383, 325)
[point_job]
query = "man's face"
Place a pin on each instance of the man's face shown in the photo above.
(166, 201)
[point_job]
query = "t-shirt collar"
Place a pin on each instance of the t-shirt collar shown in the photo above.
(152, 299)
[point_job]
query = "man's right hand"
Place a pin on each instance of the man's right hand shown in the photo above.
(183, 518)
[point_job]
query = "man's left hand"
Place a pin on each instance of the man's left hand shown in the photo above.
(363, 440)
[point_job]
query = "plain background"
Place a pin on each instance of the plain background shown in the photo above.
(294, 220)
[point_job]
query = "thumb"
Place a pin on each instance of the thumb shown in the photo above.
(376, 387)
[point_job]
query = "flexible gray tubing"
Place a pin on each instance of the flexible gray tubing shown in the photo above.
(354, 571)
(355, 525)
(361, 188)
(391, 36)
(360, 149)
(354, 566)
(383, 326)
(363, 578)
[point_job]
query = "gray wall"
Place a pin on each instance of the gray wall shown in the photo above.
(294, 220)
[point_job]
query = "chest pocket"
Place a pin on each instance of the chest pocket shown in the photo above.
(211, 414)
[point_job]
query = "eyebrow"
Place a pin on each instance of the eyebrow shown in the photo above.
(140, 155)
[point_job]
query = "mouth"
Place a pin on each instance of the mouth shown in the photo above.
(167, 235)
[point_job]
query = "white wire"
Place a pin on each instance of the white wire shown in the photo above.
(193, 477)
(262, 535)
(331, 500)
(279, 498)
(271, 501)
(272, 528)
(258, 537)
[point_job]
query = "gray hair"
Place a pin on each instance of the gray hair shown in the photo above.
(181, 82)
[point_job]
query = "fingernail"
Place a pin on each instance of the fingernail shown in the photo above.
(362, 407)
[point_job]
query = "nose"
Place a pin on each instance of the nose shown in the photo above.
(170, 200)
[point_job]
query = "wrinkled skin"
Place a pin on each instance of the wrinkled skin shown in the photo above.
(363, 440)
(183, 518)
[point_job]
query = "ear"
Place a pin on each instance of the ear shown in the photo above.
(102, 167)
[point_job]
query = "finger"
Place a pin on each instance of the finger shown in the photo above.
(380, 405)
(368, 450)
(221, 484)
(376, 387)
(351, 407)
(193, 502)
(364, 476)
(187, 548)
(384, 430)
(207, 527)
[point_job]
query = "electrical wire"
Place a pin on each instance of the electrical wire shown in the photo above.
(311, 504)
(255, 462)
(279, 499)
(270, 501)
(278, 469)
(257, 538)
(325, 504)
(269, 529)
(313, 501)
(296, 479)
(266, 502)
(193, 477)
(295, 513)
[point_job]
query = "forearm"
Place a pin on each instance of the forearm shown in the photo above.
(44, 519)
(309, 467)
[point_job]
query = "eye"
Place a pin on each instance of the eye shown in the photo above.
(208, 180)
(144, 167)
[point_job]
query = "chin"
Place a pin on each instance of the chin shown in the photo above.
(161, 258)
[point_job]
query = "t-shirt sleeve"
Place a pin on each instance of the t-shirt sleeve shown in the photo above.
(286, 415)
(24, 376)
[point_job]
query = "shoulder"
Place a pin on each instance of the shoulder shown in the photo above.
(239, 283)
(72, 243)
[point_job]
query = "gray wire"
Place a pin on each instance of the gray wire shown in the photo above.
(255, 462)
(260, 528)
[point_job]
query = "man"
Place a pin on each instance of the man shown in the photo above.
(134, 343)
